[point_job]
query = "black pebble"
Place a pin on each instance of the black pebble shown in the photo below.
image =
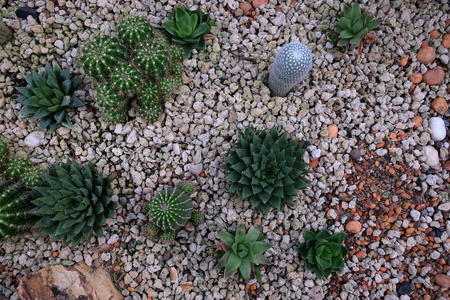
(25, 11)
(305, 144)
(406, 287)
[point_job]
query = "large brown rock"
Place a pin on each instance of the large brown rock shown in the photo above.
(446, 41)
(439, 105)
(69, 283)
(432, 77)
(426, 55)
(442, 280)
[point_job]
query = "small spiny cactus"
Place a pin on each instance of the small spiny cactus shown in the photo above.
(177, 68)
(176, 52)
(187, 187)
(108, 98)
(169, 84)
(126, 80)
(101, 56)
(291, 65)
(197, 218)
(150, 108)
(152, 231)
(16, 167)
(6, 33)
(32, 176)
(134, 30)
(167, 236)
(115, 116)
(150, 112)
(4, 154)
(170, 209)
(152, 59)
(15, 206)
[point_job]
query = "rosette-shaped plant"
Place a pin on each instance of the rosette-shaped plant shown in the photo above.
(266, 169)
(188, 28)
(48, 97)
(101, 56)
(323, 252)
(15, 208)
(73, 202)
(134, 30)
(243, 251)
(4, 154)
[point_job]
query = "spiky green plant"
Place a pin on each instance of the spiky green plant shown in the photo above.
(187, 187)
(134, 30)
(115, 116)
(152, 59)
(4, 154)
(16, 167)
(197, 218)
(126, 79)
(243, 252)
(15, 208)
(177, 68)
(167, 236)
(188, 28)
(101, 56)
(150, 112)
(168, 85)
(150, 108)
(266, 169)
(323, 252)
(108, 98)
(170, 209)
(149, 94)
(48, 97)
(152, 231)
(73, 202)
(32, 176)
(175, 52)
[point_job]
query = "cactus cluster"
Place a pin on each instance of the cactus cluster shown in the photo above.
(6, 33)
(138, 64)
(291, 65)
(15, 208)
(170, 210)
(16, 167)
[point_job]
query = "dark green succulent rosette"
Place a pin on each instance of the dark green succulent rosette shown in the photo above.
(188, 27)
(323, 252)
(48, 97)
(73, 202)
(266, 168)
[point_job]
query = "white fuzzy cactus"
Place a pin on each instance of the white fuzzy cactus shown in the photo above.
(291, 65)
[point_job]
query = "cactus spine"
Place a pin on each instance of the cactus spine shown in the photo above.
(291, 65)
(6, 33)
(4, 154)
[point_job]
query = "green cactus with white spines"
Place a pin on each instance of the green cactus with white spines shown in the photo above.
(15, 208)
(101, 56)
(32, 176)
(197, 218)
(169, 84)
(4, 154)
(108, 98)
(177, 68)
(167, 236)
(126, 80)
(150, 108)
(16, 167)
(134, 30)
(175, 52)
(291, 65)
(187, 187)
(171, 209)
(152, 59)
(115, 116)
(152, 231)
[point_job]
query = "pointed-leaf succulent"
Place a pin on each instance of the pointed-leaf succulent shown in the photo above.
(323, 252)
(243, 251)
(73, 202)
(47, 98)
(266, 168)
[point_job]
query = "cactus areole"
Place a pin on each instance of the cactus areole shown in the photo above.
(291, 65)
